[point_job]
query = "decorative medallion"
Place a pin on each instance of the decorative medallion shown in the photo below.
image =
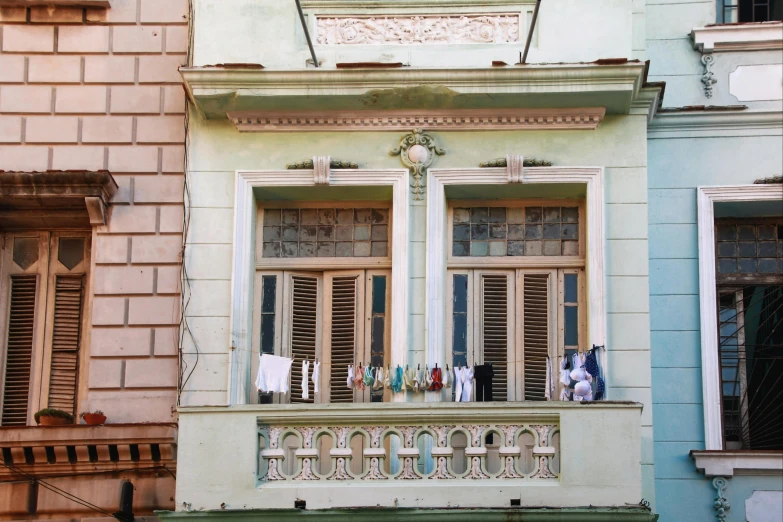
(417, 152)
(721, 503)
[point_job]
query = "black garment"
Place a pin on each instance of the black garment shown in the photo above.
(483, 374)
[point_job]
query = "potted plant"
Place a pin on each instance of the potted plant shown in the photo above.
(53, 417)
(94, 418)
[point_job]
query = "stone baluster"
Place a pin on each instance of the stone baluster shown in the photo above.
(273, 454)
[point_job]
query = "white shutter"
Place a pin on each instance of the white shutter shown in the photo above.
(66, 338)
(536, 334)
(19, 350)
(304, 331)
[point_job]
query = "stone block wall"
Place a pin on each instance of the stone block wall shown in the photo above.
(91, 89)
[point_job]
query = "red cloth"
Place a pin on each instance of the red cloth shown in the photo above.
(437, 380)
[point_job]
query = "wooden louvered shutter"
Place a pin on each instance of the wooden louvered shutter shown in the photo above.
(19, 350)
(496, 329)
(536, 334)
(343, 308)
(304, 332)
(66, 339)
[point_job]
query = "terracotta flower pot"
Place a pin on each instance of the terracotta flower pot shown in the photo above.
(46, 420)
(94, 419)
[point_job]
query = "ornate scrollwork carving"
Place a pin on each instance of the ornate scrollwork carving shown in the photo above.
(476, 473)
(721, 504)
(375, 470)
(417, 152)
(475, 434)
(407, 434)
(442, 432)
(273, 436)
(408, 473)
(333, 163)
(375, 433)
(503, 163)
(340, 470)
(509, 433)
(307, 436)
(307, 470)
(272, 472)
(442, 470)
(543, 471)
(708, 78)
(543, 431)
(342, 435)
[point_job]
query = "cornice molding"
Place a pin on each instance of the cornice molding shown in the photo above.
(55, 3)
(738, 37)
(704, 124)
(462, 120)
(396, 4)
(730, 463)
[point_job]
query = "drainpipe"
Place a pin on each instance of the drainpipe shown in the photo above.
(307, 33)
(529, 34)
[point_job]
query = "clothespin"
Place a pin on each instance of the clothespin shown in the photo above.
(418, 367)
(436, 366)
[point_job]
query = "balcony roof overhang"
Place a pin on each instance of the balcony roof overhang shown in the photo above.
(610, 85)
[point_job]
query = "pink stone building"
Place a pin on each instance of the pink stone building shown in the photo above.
(92, 147)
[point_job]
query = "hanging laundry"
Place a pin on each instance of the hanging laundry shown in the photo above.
(591, 365)
(305, 375)
(368, 380)
(565, 378)
(437, 380)
(447, 378)
(358, 380)
(484, 374)
(273, 373)
(426, 382)
(351, 376)
(409, 378)
(458, 384)
(316, 377)
(467, 384)
(378, 384)
(548, 389)
(387, 381)
(397, 381)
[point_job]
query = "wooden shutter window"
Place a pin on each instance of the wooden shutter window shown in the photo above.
(304, 322)
(343, 336)
(19, 352)
(536, 335)
(66, 338)
(494, 331)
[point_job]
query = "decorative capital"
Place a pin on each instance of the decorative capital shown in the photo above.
(321, 169)
(417, 152)
(514, 165)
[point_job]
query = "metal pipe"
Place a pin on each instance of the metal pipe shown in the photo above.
(529, 34)
(307, 33)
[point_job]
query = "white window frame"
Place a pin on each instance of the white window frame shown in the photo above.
(244, 267)
(706, 198)
(437, 243)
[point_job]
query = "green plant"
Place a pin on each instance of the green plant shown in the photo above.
(53, 412)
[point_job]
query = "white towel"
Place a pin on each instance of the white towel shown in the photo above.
(349, 381)
(547, 391)
(467, 384)
(316, 377)
(305, 384)
(447, 378)
(458, 384)
(273, 373)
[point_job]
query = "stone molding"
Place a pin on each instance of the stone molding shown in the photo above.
(396, 29)
(418, 4)
(729, 463)
(706, 197)
(738, 37)
(55, 3)
(703, 124)
(586, 118)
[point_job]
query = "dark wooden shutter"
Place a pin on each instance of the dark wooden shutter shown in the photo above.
(66, 338)
(536, 336)
(494, 331)
(343, 344)
(19, 353)
(304, 322)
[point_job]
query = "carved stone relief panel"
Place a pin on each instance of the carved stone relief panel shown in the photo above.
(410, 30)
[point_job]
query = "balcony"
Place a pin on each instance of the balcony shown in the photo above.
(410, 455)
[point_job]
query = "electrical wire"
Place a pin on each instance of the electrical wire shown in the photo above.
(61, 492)
(185, 330)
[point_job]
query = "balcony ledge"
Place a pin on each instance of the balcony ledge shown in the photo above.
(217, 90)
(587, 514)
(765, 36)
(727, 463)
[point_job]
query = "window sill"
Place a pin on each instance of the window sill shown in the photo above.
(55, 3)
(720, 463)
(762, 36)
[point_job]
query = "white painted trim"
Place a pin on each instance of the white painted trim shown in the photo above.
(730, 463)
(437, 243)
(738, 37)
(243, 268)
(710, 366)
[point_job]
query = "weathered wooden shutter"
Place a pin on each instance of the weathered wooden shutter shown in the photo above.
(343, 336)
(19, 352)
(304, 323)
(536, 335)
(495, 331)
(66, 338)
